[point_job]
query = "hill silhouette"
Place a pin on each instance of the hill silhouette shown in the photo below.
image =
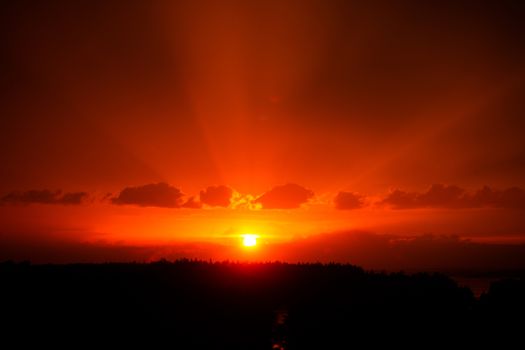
(223, 305)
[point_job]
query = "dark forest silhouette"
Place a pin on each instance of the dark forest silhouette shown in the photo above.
(223, 305)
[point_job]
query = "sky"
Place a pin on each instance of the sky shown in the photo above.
(383, 133)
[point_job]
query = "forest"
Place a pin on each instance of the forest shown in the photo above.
(190, 304)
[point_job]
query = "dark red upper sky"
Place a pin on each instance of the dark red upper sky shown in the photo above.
(197, 121)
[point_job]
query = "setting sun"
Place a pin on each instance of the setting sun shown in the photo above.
(249, 240)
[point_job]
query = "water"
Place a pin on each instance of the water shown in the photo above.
(279, 330)
(478, 285)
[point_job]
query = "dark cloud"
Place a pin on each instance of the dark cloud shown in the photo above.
(287, 196)
(445, 196)
(44, 197)
(348, 200)
(438, 196)
(401, 252)
(73, 198)
(512, 198)
(151, 195)
(216, 196)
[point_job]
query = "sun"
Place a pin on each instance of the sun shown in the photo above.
(249, 240)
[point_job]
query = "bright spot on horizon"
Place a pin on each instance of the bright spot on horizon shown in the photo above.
(249, 240)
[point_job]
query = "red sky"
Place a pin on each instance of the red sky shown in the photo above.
(132, 130)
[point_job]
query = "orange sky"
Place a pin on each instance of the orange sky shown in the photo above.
(177, 124)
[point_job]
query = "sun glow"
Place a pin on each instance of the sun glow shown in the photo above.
(249, 240)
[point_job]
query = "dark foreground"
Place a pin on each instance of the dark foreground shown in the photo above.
(188, 305)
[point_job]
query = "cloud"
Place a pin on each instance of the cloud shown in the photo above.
(72, 198)
(438, 196)
(243, 201)
(44, 197)
(512, 198)
(445, 196)
(152, 195)
(287, 196)
(442, 196)
(396, 252)
(192, 203)
(348, 200)
(216, 196)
